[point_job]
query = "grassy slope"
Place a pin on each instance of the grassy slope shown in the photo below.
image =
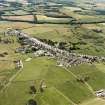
(88, 41)
(96, 101)
(60, 83)
(6, 63)
(50, 31)
(62, 87)
(96, 76)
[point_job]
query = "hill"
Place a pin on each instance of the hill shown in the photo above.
(30, 74)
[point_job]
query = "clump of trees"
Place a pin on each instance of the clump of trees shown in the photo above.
(33, 89)
(16, 4)
(62, 45)
(6, 40)
(31, 102)
(48, 41)
(83, 79)
(3, 54)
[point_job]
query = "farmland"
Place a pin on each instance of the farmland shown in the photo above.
(70, 27)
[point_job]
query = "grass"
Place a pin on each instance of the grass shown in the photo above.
(22, 18)
(52, 32)
(77, 92)
(97, 80)
(96, 101)
(15, 25)
(96, 76)
(75, 15)
(7, 66)
(19, 12)
(62, 86)
(43, 18)
(59, 83)
(91, 43)
(52, 97)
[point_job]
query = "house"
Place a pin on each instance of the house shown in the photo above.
(19, 64)
(100, 93)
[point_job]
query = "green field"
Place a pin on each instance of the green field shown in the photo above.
(59, 83)
(63, 85)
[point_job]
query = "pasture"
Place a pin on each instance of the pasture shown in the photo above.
(59, 83)
(63, 86)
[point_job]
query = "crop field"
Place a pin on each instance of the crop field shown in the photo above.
(42, 18)
(15, 25)
(102, 5)
(81, 17)
(22, 18)
(71, 13)
(19, 12)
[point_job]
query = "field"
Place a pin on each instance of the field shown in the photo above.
(21, 18)
(102, 5)
(57, 33)
(45, 19)
(96, 101)
(59, 82)
(63, 86)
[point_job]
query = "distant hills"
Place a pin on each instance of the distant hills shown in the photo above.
(80, 1)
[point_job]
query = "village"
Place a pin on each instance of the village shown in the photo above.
(52, 52)
(63, 57)
(40, 48)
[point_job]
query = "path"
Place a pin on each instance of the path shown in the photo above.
(88, 86)
(10, 80)
(64, 96)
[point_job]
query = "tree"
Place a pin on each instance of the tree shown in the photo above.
(31, 102)
(1, 13)
(33, 89)
(16, 4)
(62, 45)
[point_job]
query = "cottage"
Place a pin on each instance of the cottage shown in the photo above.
(19, 64)
(100, 93)
(42, 85)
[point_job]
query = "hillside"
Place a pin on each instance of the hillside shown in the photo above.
(52, 53)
